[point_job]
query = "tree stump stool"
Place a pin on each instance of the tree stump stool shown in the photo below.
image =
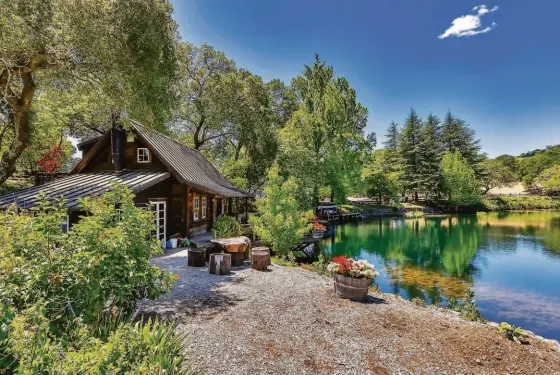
(220, 264)
(196, 257)
(237, 259)
(259, 260)
(212, 249)
(263, 248)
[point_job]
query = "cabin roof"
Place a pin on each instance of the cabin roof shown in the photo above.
(82, 185)
(188, 165)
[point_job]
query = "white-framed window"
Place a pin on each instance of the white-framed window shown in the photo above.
(196, 207)
(204, 207)
(142, 155)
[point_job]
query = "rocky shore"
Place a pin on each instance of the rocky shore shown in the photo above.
(288, 321)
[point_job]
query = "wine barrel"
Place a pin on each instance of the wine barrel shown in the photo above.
(351, 288)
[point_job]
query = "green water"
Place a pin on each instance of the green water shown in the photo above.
(511, 260)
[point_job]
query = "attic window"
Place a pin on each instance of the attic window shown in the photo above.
(143, 155)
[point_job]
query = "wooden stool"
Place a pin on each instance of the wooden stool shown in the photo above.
(212, 249)
(220, 264)
(259, 260)
(263, 248)
(237, 259)
(196, 258)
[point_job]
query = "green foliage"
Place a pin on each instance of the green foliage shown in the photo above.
(381, 186)
(460, 183)
(531, 167)
(116, 58)
(549, 179)
(521, 203)
(320, 265)
(456, 135)
(322, 143)
(280, 221)
(512, 332)
(410, 155)
(226, 226)
(468, 308)
(419, 301)
(152, 347)
(281, 261)
(56, 286)
(498, 172)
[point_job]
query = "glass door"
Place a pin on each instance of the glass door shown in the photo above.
(159, 208)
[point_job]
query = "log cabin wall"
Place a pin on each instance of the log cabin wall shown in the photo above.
(103, 161)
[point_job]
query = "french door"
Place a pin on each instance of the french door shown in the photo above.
(159, 208)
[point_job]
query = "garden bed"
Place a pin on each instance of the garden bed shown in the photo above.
(289, 321)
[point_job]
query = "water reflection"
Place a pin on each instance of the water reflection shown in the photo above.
(438, 257)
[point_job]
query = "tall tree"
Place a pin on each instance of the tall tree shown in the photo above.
(327, 127)
(392, 145)
(460, 183)
(207, 99)
(411, 156)
(123, 50)
(456, 135)
(498, 172)
(430, 158)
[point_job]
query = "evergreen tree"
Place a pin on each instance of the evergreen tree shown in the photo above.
(392, 147)
(456, 135)
(430, 175)
(410, 156)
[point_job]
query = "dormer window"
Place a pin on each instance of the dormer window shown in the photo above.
(143, 155)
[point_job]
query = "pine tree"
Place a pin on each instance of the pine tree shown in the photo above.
(456, 135)
(410, 156)
(392, 147)
(430, 158)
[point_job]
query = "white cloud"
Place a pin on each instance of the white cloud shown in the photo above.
(470, 24)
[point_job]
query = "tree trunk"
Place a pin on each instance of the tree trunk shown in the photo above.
(332, 195)
(20, 110)
(198, 142)
(416, 196)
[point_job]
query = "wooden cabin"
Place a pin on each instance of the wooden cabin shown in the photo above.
(177, 182)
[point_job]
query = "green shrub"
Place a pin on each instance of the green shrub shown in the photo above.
(320, 265)
(512, 332)
(419, 301)
(281, 222)
(57, 289)
(468, 309)
(226, 226)
(521, 203)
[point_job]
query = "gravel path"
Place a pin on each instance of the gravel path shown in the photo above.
(288, 321)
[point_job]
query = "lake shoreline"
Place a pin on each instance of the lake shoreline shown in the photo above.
(289, 321)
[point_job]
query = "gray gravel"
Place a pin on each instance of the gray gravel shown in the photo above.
(288, 321)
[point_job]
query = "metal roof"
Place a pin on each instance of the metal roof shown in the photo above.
(187, 164)
(81, 185)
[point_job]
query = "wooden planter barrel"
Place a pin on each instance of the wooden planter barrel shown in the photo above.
(351, 288)
(196, 258)
(220, 264)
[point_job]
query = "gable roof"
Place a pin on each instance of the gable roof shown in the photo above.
(187, 165)
(76, 186)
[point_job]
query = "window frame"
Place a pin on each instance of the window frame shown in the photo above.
(138, 155)
(196, 208)
(204, 207)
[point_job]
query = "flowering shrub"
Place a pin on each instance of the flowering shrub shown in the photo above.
(52, 160)
(360, 269)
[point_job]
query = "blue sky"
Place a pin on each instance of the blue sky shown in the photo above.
(505, 80)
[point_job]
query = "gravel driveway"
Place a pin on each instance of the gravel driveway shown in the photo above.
(288, 321)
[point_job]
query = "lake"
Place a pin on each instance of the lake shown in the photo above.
(511, 261)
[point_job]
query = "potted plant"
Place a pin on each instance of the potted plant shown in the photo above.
(351, 278)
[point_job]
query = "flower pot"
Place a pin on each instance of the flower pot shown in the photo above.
(351, 288)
